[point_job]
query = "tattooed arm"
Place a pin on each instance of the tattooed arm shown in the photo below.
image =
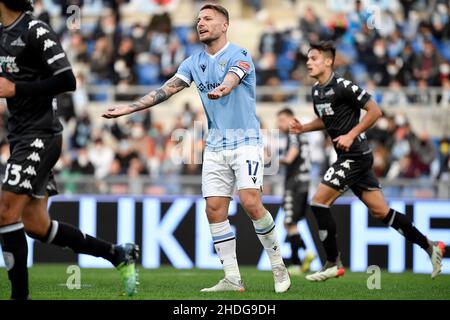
(172, 86)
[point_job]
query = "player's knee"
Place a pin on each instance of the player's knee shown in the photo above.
(378, 213)
(7, 214)
(320, 200)
(38, 232)
(252, 205)
(215, 210)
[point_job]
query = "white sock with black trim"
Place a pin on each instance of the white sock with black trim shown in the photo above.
(265, 230)
(225, 245)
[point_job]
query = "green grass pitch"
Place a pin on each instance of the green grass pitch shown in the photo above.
(49, 282)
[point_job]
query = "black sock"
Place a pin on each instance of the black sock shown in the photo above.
(296, 242)
(65, 235)
(327, 231)
(404, 226)
(15, 252)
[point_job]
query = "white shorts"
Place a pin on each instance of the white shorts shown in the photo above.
(225, 170)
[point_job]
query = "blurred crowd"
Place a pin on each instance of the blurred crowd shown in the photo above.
(411, 50)
(402, 45)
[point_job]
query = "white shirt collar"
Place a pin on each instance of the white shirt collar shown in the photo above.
(218, 52)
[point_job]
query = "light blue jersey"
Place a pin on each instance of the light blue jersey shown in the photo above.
(232, 120)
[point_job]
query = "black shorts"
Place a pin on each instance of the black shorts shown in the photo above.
(29, 168)
(355, 173)
(295, 201)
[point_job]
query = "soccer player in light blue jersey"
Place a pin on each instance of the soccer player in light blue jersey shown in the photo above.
(224, 75)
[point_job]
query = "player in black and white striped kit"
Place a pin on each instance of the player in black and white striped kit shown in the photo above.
(296, 158)
(337, 104)
(34, 68)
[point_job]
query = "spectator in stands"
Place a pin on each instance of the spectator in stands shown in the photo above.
(40, 12)
(101, 64)
(270, 41)
(440, 21)
(81, 163)
(170, 59)
(444, 158)
(78, 48)
(266, 68)
(101, 156)
(396, 95)
(310, 25)
(81, 136)
(426, 65)
(136, 167)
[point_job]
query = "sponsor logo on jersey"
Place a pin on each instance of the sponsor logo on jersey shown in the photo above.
(40, 32)
(25, 184)
(244, 52)
(203, 67)
(207, 86)
(324, 109)
(37, 143)
(329, 92)
(244, 66)
(30, 170)
(18, 42)
(34, 157)
(31, 24)
(8, 64)
(346, 163)
(48, 44)
(340, 173)
(336, 182)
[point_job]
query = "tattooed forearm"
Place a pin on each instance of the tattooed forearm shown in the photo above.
(150, 99)
(176, 83)
(171, 87)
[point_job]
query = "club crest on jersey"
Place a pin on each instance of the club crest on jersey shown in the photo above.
(222, 65)
(324, 109)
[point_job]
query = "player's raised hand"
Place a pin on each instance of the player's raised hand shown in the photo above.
(295, 126)
(118, 111)
(344, 142)
(7, 88)
(218, 92)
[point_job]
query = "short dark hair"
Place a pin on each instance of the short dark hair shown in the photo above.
(218, 8)
(18, 5)
(288, 111)
(327, 47)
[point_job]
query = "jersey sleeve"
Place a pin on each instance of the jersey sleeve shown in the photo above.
(294, 141)
(354, 95)
(241, 64)
(48, 47)
(313, 94)
(184, 71)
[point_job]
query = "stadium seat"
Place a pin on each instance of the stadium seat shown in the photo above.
(147, 74)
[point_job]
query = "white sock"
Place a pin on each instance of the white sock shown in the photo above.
(265, 230)
(225, 245)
